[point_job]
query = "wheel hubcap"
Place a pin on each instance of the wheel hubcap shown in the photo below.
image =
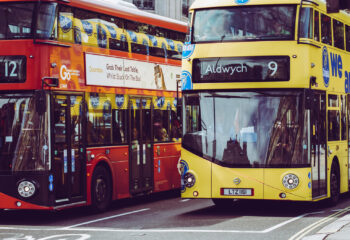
(101, 190)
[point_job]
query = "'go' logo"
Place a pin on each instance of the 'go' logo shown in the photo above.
(64, 73)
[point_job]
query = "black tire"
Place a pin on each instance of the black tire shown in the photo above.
(101, 189)
(224, 203)
(334, 185)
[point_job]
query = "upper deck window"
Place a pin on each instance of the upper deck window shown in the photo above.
(16, 20)
(244, 23)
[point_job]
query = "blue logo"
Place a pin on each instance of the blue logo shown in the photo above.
(77, 35)
(188, 50)
(107, 111)
(241, 2)
(123, 38)
(325, 66)
(186, 80)
(88, 28)
(119, 100)
(133, 36)
(179, 47)
(102, 37)
(112, 31)
(94, 100)
(153, 40)
(309, 185)
(171, 44)
(50, 178)
(309, 175)
(51, 187)
(183, 170)
(175, 102)
(160, 101)
(65, 23)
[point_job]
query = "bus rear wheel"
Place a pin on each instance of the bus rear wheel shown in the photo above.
(101, 189)
(334, 186)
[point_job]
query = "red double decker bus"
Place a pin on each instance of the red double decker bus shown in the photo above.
(88, 96)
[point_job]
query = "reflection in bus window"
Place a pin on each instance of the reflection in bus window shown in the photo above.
(16, 20)
(120, 126)
(306, 23)
(161, 125)
(338, 34)
(317, 26)
(347, 37)
(244, 23)
(333, 125)
(261, 129)
(326, 30)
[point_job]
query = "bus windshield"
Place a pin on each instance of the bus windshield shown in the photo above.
(16, 20)
(246, 129)
(244, 23)
(23, 134)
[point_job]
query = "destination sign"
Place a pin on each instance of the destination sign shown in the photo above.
(13, 69)
(241, 69)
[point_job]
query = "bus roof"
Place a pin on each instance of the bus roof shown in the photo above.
(120, 9)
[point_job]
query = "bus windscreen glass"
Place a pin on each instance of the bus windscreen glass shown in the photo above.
(23, 134)
(246, 129)
(244, 24)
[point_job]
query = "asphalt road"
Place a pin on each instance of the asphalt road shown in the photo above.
(167, 216)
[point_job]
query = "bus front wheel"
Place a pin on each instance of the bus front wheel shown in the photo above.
(101, 189)
(334, 186)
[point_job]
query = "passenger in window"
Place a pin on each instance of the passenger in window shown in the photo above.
(117, 134)
(164, 135)
(278, 29)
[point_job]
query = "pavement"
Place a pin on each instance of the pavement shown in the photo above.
(337, 230)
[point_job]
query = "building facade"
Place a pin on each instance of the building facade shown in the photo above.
(176, 9)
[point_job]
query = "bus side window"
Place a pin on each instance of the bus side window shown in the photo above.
(120, 126)
(333, 119)
(344, 135)
(338, 34)
(306, 23)
(317, 26)
(161, 125)
(347, 37)
(326, 29)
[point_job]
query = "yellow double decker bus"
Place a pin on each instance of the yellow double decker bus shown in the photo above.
(266, 101)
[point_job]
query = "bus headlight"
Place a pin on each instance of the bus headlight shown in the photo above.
(26, 189)
(290, 181)
(189, 180)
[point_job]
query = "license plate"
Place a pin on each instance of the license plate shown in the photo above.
(237, 191)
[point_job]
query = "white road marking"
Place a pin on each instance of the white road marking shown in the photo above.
(180, 230)
(106, 218)
(299, 235)
(185, 200)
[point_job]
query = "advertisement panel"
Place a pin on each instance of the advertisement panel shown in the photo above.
(120, 72)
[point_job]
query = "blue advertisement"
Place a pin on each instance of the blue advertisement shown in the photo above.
(186, 80)
(325, 66)
(187, 50)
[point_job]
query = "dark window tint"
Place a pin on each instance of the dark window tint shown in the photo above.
(338, 34)
(120, 126)
(118, 45)
(333, 125)
(161, 125)
(317, 26)
(175, 126)
(343, 118)
(326, 30)
(347, 31)
(139, 48)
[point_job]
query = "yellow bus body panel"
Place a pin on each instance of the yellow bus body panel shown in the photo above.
(249, 178)
(201, 169)
(274, 187)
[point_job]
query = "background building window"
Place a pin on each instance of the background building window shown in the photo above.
(144, 4)
(185, 5)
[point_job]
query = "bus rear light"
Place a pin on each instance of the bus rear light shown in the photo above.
(26, 189)
(195, 194)
(18, 204)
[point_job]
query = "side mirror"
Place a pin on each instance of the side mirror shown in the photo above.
(40, 101)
